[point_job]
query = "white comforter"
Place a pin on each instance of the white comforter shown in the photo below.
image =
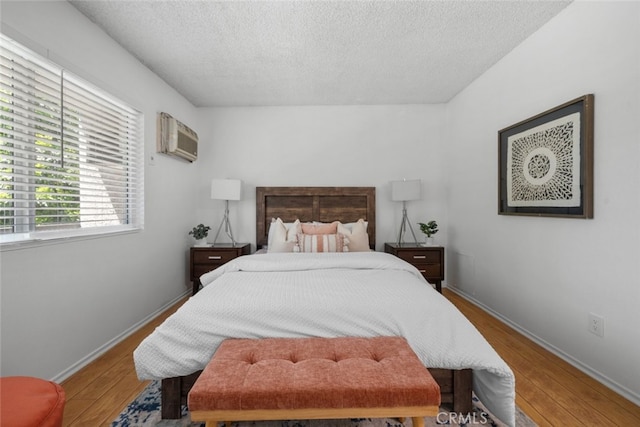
(325, 295)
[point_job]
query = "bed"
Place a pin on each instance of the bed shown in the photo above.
(357, 293)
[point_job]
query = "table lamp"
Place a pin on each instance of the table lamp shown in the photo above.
(226, 189)
(404, 191)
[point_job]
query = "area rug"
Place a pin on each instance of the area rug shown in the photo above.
(144, 411)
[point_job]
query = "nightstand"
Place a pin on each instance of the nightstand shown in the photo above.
(207, 258)
(428, 259)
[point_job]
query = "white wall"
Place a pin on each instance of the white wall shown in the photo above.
(547, 274)
(63, 303)
(326, 146)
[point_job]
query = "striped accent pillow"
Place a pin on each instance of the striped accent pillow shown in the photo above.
(322, 243)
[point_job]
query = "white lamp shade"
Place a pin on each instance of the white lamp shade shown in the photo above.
(402, 191)
(226, 189)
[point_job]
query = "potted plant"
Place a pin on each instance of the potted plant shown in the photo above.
(429, 229)
(200, 233)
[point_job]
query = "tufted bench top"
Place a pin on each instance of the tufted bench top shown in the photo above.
(323, 373)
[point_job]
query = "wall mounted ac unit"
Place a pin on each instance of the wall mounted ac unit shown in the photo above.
(176, 138)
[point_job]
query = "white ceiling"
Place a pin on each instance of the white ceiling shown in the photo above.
(238, 53)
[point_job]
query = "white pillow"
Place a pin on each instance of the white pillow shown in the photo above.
(357, 236)
(273, 226)
(283, 239)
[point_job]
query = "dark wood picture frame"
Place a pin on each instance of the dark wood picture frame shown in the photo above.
(545, 163)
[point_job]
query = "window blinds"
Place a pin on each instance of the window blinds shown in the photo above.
(70, 153)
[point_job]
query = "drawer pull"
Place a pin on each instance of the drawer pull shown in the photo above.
(419, 257)
(422, 271)
(215, 257)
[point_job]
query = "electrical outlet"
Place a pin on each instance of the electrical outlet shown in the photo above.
(596, 324)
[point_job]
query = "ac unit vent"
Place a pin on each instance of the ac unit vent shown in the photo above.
(176, 138)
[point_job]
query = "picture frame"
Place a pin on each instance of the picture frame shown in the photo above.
(545, 163)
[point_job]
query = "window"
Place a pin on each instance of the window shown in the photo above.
(70, 154)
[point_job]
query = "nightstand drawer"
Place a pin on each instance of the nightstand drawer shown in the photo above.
(429, 270)
(200, 269)
(214, 257)
(419, 256)
(429, 260)
(205, 259)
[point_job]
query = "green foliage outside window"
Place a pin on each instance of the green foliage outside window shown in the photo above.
(57, 193)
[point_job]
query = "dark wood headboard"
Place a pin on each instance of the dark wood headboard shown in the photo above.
(324, 204)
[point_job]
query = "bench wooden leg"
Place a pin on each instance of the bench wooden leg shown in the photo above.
(418, 421)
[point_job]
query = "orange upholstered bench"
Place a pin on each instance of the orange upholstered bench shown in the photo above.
(314, 378)
(30, 402)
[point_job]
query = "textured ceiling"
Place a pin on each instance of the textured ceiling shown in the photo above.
(237, 53)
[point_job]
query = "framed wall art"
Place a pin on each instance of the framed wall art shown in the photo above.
(545, 163)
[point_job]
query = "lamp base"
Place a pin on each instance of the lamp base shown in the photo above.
(403, 226)
(227, 226)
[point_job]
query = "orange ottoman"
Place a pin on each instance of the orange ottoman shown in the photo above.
(314, 378)
(30, 402)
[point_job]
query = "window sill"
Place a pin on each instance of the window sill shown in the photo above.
(40, 242)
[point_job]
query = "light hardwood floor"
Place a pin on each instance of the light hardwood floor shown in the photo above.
(549, 390)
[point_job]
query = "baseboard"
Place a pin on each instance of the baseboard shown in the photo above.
(112, 343)
(608, 382)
